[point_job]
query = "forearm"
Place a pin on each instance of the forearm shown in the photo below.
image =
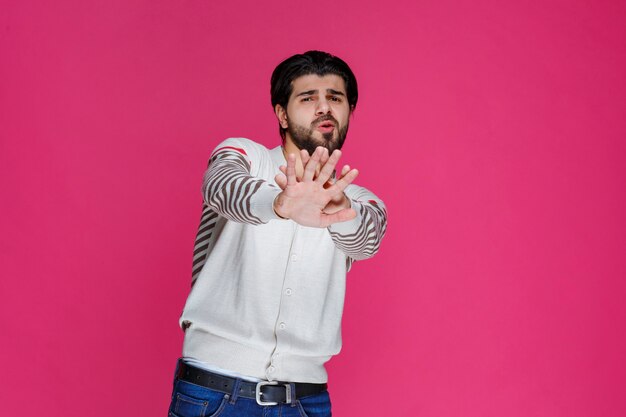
(230, 189)
(360, 237)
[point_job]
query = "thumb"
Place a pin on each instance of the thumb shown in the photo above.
(281, 181)
(341, 216)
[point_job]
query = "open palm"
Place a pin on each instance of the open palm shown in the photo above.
(304, 200)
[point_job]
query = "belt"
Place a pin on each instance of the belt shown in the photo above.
(264, 392)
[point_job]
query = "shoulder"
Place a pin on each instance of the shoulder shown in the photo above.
(246, 147)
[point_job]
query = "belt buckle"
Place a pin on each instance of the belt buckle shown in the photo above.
(259, 401)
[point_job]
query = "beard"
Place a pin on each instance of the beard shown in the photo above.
(304, 138)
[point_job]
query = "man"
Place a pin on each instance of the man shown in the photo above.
(277, 235)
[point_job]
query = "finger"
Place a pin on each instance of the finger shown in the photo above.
(281, 181)
(329, 167)
(338, 217)
(311, 165)
(291, 169)
(283, 169)
(343, 182)
(304, 156)
(344, 171)
(323, 160)
(332, 180)
(324, 157)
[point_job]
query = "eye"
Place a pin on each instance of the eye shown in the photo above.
(307, 99)
(335, 99)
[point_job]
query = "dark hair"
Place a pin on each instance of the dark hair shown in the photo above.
(311, 62)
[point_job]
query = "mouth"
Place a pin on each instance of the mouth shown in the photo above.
(326, 126)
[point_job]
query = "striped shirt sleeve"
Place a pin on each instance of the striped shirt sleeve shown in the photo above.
(360, 237)
(230, 189)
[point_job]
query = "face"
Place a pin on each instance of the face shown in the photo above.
(317, 113)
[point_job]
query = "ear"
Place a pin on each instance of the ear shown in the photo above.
(281, 115)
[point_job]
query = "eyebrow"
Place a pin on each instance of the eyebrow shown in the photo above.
(328, 90)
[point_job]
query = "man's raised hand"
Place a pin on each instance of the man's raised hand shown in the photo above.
(305, 200)
(340, 200)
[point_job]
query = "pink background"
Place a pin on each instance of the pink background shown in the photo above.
(494, 132)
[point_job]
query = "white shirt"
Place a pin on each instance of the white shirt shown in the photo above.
(267, 295)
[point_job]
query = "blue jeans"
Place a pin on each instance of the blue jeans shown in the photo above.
(190, 400)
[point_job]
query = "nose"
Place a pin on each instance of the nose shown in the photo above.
(323, 106)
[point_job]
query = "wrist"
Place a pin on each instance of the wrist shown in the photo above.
(347, 201)
(274, 205)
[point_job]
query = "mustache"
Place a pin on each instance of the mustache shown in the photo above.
(325, 118)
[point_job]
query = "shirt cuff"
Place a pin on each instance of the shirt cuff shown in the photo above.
(262, 202)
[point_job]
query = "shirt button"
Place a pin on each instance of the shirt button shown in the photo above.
(288, 291)
(294, 257)
(282, 325)
(271, 369)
